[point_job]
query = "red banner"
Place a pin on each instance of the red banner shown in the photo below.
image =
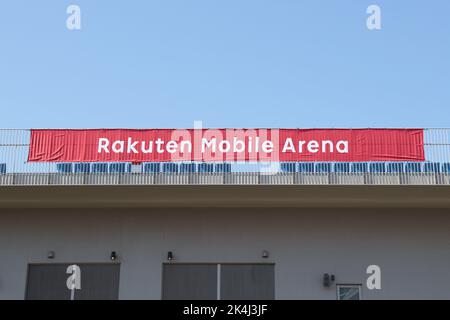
(213, 145)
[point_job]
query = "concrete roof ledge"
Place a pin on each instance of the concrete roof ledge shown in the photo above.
(225, 196)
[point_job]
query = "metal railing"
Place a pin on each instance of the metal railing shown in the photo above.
(15, 170)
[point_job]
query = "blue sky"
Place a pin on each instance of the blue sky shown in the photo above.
(234, 63)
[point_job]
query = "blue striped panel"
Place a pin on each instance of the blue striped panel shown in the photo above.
(288, 166)
(206, 167)
(223, 167)
(306, 167)
(446, 167)
(323, 167)
(64, 167)
(170, 167)
(187, 167)
(395, 167)
(359, 167)
(342, 167)
(99, 167)
(152, 167)
(413, 167)
(119, 167)
(431, 167)
(377, 167)
(82, 167)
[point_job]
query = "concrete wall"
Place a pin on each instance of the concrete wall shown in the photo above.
(412, 247)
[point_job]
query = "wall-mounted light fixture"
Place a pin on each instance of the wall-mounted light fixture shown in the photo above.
(169, 256)
(328, 279)
(265, 254)
(51, 255)
(113, 256)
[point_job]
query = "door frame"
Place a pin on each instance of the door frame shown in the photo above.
(217, 264)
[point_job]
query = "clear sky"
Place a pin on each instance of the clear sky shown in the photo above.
(233, 63)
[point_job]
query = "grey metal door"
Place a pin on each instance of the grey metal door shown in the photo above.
(218, 281)
(99, 282)
(247, 282)
(48, 282)
(189, 281)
